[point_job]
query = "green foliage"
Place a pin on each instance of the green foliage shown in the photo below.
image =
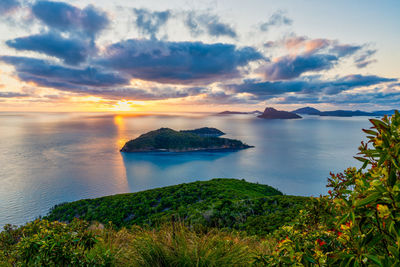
(168, 139)
(358, 224)
(205, 131)
(222, 203)
(44, 243)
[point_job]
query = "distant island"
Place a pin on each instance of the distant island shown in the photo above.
(271, 113)
(205, 131)
(166, 139)
(341, 113)
(227, 112)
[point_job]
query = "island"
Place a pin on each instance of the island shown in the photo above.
(228, 112)
(271, 113)
(169, 140)
(205, 131)
(342, 113)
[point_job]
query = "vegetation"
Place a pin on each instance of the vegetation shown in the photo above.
(44, 243)
(271, 113)
(205, 131)
(222, 203)
(166, 139)
(356, 224)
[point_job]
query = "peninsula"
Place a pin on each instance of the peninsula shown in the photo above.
(166, 139)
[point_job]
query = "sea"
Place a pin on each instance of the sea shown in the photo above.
(51, 158)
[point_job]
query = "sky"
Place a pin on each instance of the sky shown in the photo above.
(198, 56)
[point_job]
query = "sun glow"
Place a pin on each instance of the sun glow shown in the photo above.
(127, 105)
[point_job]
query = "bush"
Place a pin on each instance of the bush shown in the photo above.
(358, 223)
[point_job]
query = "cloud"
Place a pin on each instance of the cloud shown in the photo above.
(47, 74)
(307, 55)
(67, 18)
(345, 50)
(370, 98)
(310, 86)
(12, 95)
(150, 22)
(130, 93)
(89, 81)
(71, 50)
(211, 24)
(364, 59)
(178, 62)
(8, 6)
(302, 44)
(289, 67)
(279, 18)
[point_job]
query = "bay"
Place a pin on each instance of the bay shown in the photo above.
(50, 158)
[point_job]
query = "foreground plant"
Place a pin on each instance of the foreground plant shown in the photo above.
(358, 223)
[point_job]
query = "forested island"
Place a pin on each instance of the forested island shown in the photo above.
(271, 113)
(166, 139)
(205, 131)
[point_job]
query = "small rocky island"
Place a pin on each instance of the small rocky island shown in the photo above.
(166, 139)
(271, 113)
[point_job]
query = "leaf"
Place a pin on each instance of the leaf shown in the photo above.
(370, 132)
(368, 199)
(394, 251)
(373, 258)
(379, 124)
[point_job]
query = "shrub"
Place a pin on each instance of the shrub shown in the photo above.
(358, 223)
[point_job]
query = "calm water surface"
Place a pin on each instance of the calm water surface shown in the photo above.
(46, 159)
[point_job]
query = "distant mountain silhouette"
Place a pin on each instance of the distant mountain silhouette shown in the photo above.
(271, 113)
(307, 111)
(228, 112)
(341, 113)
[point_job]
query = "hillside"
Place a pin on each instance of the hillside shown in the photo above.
(271, 113)
(165, 139)
(342, 113)
(219, 203)
(205, 131)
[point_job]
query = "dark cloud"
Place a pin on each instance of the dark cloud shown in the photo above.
(211, 24)
(266, 90)
(48, 74)
(12, 95)
(289, 67)
(364, 59)
(310, 55)
(279, 18)
(130, 93)
(7, 6)
(178, 62)
(370, 98)
(345, 50)
(150, 22)
(70, 50)
(65, 17)
(88, 81)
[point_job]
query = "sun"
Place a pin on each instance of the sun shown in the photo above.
(123, 105)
